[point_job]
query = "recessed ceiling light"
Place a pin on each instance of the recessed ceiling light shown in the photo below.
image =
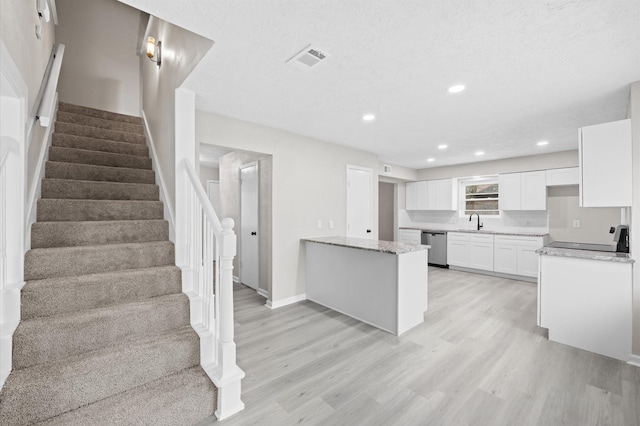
(368, 117)
(442, 146)
(431, 160)
(543, 143)
(479, 152)
(457, 88)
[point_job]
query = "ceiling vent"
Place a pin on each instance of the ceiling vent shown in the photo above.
(307, 58)
(386, 169)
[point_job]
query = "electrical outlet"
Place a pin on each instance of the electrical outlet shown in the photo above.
(330, 224)
(576, 224)
(319, 224)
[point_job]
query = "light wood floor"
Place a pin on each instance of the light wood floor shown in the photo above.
(478, 359)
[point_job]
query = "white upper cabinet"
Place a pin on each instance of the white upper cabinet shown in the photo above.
(431, 195)
(605, 165)
(566, 176)
(523, 191)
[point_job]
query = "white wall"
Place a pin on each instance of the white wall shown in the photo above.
(309, 183)
(398, 173)
(553, 160)
(182, 51)
(101, 67)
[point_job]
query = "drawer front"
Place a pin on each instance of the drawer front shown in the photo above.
(519, 240)
(481, 238)
(457, 236)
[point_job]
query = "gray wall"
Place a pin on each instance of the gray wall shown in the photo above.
(309, 183)
(208, 173)
(158, 92)
(101, 68)
(230, 206)
(563, 207)
(385, 211)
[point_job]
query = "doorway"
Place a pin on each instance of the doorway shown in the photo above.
(386, 217)
(359, 211)
(249, 221)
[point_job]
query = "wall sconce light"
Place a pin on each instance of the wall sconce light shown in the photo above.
(154, 50)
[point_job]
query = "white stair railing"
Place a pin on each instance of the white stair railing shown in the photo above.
(211, 246)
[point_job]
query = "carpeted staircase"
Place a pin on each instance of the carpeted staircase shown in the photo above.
(105, 335)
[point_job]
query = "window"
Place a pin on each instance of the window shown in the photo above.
(480, 195)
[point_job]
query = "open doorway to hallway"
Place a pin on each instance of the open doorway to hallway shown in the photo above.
(224, 165)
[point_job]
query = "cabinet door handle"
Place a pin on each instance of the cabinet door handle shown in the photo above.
(368, 231)
(254, 233)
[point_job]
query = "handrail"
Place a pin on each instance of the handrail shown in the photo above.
(204, 200)
(47, 108)
(207, 247)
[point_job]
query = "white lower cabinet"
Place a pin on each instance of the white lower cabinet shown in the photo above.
(409, 236)
(505, 258)
(470, 250)
(506, 254)
(516, 255)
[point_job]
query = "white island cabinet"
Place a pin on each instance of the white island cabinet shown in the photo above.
(381, 283)
(584, 299)
(409, 236)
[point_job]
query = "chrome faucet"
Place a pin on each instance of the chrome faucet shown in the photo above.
(480, 225)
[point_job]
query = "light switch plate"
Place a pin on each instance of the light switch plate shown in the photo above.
(330, 224)
(576, 224)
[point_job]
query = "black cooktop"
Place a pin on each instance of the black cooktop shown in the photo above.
(583, 246)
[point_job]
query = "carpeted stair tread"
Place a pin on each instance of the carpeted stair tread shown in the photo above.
(91, 144)
(94, 132)
(52, 209)
(94, 190)
(181, 399)
(43, 391)
(84, 233)
(70, 261)
(73, 171)
(101, 123)
(97, 158)
(54, 296)
(52, 339)
(98, 113)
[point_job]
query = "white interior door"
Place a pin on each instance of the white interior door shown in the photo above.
(359, 212)
(249, 191)
(213, 190)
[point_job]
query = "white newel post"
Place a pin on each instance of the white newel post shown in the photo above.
(227, 372)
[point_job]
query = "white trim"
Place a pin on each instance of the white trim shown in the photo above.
(14, 92)
(634, 360)
(164, 197)
(264, 293)
(284, 302)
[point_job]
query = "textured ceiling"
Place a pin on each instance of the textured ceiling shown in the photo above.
(533, 69)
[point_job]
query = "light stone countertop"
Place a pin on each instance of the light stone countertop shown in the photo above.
(482, 231)
(390, 247)
(586, 254)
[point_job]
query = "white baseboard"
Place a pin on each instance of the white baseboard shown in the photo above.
(236, 279)
(634, 360)
(284, 302)
(168, 207)
(263, 293)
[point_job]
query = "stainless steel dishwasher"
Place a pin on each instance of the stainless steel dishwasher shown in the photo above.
(438, 251)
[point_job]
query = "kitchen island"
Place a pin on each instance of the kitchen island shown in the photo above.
(584, 299)
(381, 283)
